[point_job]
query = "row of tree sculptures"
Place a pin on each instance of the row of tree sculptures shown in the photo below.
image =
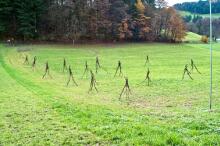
(126, 89)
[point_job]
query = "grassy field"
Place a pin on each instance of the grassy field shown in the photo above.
(36, 111)
(185, 13)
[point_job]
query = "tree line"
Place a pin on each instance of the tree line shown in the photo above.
(200, 7)
(105, 20)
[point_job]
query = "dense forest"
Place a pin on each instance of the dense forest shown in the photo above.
(200, 7)
(105, 20)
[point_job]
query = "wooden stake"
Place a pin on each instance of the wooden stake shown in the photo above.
(34, 62)
(146, 60)
(147, 78)
(71, 77)
(47, 71)
(93, 82)
(126, 90)
(26, 61)
(194, 66)
(86, 69)
(64, 65)
(186, 71)
(119, 68)
(98, 66)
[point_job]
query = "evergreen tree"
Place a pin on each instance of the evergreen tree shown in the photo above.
(7, 17)
(117, 13)
(28, 14)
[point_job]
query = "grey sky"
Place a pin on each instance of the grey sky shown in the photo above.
(172, 2)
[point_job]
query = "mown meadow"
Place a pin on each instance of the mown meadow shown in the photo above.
(171, 111)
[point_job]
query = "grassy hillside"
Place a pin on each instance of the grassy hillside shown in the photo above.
(192, 37)
(171, 111)
(185, 13)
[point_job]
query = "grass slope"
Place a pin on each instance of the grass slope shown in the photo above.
(186, 13)
(193, 38)
(34, 111)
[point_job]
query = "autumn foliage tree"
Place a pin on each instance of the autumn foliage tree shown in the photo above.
(118, 16)
(124, 31)
(177, 29)
(204, 39)
(68, 20)
(138, 24)
(172, 25)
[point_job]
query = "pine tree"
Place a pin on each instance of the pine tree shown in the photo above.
(117, 14)
(28, 14)
(7, 17)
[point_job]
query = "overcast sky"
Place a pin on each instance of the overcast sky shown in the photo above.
(172, 2)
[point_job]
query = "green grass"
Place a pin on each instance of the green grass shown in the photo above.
(170, 111)
(186, 13)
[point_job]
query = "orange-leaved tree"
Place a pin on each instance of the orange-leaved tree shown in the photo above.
(174, 27)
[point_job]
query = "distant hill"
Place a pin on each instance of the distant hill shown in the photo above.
(201, 7)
